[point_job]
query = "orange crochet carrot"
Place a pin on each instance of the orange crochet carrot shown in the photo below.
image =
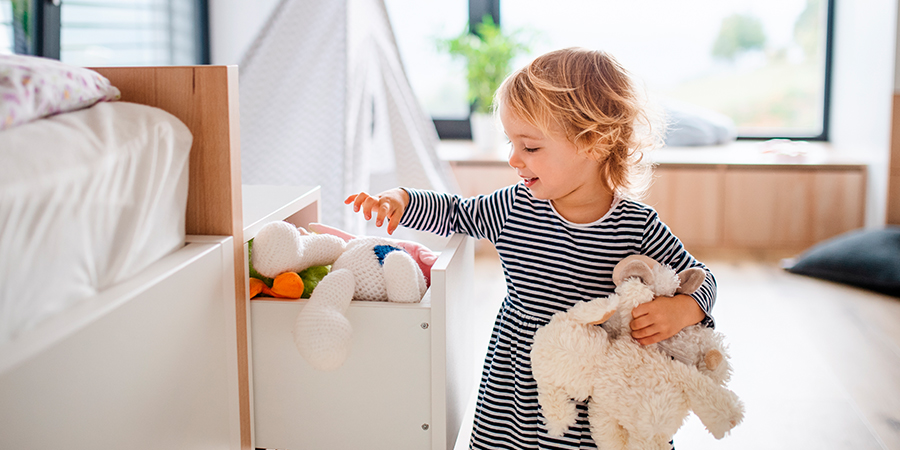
(288, 285)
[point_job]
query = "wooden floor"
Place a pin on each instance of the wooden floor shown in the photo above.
(817, 364)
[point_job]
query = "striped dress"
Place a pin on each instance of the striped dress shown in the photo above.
(549, 264)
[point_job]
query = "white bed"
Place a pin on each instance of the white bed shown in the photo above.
(158, 355)
(81, 217)
(122, 311)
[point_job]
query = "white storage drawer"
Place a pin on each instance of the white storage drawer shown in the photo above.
(380, 398)
(406, 384)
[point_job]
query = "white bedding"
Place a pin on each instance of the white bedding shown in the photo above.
(87, 199)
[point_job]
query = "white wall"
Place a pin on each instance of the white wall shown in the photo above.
(897, 56)
(863, 80)
(234, 25)
(866, 73)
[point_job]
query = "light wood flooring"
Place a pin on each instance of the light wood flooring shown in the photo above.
(817, 364)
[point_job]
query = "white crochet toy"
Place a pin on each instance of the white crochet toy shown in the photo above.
(638, 397)
(365, 268)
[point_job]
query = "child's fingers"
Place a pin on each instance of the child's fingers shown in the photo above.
(648, 338)
(641, 322)
(364, 204)
(368, 206)
(649, 329)
(381, 213)
(644, 326)
(379, 207)
(642, 310)
(359, 200)
(394, 220)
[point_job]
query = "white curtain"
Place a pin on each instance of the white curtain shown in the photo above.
(325, 101)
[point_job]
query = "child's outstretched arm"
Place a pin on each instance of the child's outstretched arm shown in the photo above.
(388, 205)
(664, 317)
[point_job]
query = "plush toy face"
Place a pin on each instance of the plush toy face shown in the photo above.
(366, 257)
(640, 279)
(423, 256)
(662, 280)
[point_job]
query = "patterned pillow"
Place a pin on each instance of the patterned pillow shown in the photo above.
(32, 87)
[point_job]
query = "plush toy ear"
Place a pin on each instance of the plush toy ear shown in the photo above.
(424, 257)
(691, 279)
(316, 227)
(631, 267)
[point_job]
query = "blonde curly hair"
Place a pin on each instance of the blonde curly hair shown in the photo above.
(589, 97)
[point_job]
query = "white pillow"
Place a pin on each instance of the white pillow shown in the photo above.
(692, 125)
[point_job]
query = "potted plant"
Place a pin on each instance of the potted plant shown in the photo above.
(488, 54)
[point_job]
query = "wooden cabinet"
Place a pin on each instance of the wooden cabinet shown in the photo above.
(893, 193)
(687, 199)
(763, 206)
(839, 201)
(766, 208)
(790, 208)
(740, 196)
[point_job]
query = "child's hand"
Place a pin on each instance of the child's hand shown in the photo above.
(386, 205)
(663, 318)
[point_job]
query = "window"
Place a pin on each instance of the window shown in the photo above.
(763, 63)
(17, 23)
(438, 81)
(6, 29)
(107, 32)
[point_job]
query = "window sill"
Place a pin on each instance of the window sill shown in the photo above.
(746, 195)
(795, 154)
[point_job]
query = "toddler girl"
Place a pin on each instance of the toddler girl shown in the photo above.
(577, 130)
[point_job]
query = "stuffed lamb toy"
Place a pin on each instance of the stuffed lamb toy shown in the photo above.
(638, 397)
(696, 345)
(364, 268)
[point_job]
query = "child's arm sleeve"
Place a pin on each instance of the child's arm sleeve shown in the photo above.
(662, 245)
(481, 216)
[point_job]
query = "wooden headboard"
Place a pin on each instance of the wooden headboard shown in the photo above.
(205, 98)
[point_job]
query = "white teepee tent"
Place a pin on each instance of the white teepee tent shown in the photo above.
(325, 101)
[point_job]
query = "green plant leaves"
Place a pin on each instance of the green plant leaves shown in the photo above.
(488, 54)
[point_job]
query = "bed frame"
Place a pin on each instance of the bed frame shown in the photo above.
(160, 360)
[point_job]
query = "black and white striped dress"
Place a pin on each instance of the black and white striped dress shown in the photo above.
(549, 264)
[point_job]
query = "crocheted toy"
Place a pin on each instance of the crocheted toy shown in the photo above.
(420, 253)
(365, 268)
(638, 397)
(288, 285)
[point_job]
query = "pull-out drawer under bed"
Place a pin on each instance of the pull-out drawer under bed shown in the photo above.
(412, 369)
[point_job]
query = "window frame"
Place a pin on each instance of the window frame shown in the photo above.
(46, 21)
(450, 128)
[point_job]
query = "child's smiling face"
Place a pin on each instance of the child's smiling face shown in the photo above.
(551, 166)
